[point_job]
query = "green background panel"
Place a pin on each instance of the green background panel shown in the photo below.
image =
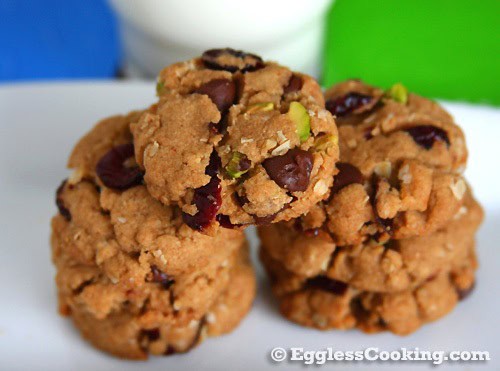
(444, 49)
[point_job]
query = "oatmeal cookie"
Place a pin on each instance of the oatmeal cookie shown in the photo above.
(236, 139)
(393, 266)
(325, 303)
(400, 169)
(135, 332)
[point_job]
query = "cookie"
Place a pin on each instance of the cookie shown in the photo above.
(394, 266)
(133, 333)
(325, 303)
(236, 139)
(119, 280)
(400, 169)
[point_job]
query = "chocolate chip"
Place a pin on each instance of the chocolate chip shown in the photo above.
(327, 284)
(241, 200)
(152, 334)
(291, 170)
(427, 135)
(350, 103)
(113, 171)
(221, 91)
(161, 277)
(294, 84)
(63, 210)
(231, 60)
(464, 293)
(207, 198)
(169, 351)
(348, 174)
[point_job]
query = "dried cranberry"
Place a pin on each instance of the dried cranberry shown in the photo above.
(464, 293)
(161, 277)
(291, 170)
(113, 171)
(221, 91)
(169, 351)
(348, 174)
(225, 221)
(348, 103)
(214, 59)
(206, 198)
(294, 84)
(264, 220)
(63, 210)
(327, 284)
(427, 135)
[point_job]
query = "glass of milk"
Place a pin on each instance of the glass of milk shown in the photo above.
(156, 33)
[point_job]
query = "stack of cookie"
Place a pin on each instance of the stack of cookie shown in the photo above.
(148, 243)
(392, 247)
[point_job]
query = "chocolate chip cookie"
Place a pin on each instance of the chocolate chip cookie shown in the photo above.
(133, 331)
(133, 276)
(371, 266)
(237, 140)
(325, 303)
(400, 168)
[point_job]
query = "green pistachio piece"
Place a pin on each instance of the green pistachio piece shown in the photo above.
(159, 88)
(260, 107)
(398, 92)
(326, 141)
(238, 165)
(298, 114)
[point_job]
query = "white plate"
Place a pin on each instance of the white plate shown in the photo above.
(40, 124)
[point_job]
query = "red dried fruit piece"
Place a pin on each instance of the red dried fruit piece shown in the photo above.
(291, 170)
(113, 171)
(63, 210)
(207, 198)
(349, 103)
(161, 277)
(224, 59)
(264, 220)
(225, 221)
(348, 174)
(294, 84)
(327, 284)
(221, 91)
(427, 135)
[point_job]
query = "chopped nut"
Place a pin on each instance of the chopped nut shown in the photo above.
(281, 149)
(76, 176)
(153, 148)
(320, 187)
(211, 318)
(458, 188)
(404, 175)
(260, 107)
(383, 169)
(281, 136)
(246, 140)
(121, 219)
(270, 143)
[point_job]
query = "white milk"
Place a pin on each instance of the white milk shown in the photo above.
(156, 33)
